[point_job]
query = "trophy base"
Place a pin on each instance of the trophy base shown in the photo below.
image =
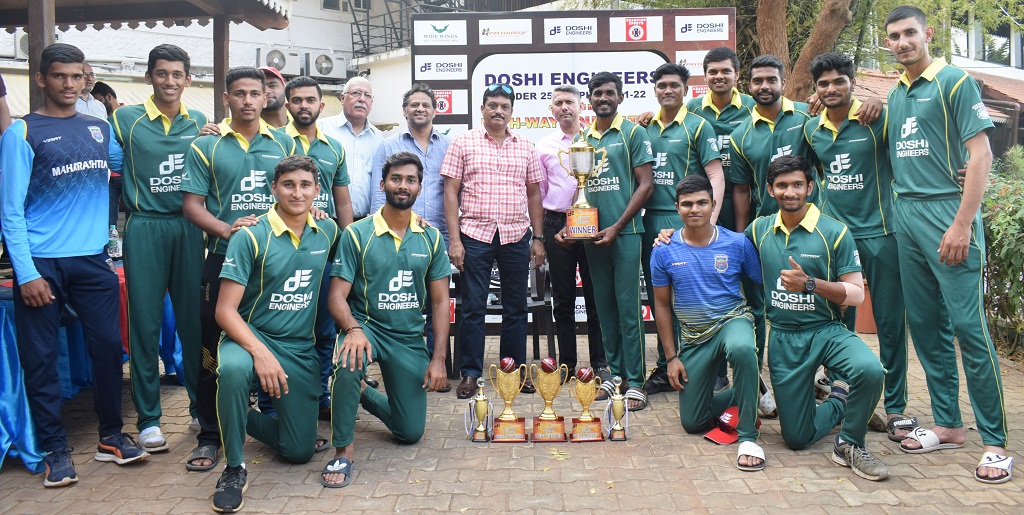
(589, 431)
(510, 430)
(617, 435)
(548, 430)
(480, 437)
(580, 223)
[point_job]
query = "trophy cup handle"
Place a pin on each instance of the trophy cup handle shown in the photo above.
(565, 373)
(597, 381)
(560, 163)
(604, 157)
(532, 374)
(523, 377)
(491, 375)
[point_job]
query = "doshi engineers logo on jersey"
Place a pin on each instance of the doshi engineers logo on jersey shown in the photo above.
(293, 301)
(662, 177)
(791, 301)
(911, 147)
(162, 183)
(397, 299)
(782, 151)
(841, 164)
(255, 179)
(836, 181)
(723, 147)
(909, 127)
(598, 183)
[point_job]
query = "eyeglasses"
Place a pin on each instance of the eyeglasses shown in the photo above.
(360, 94)
(90, 75)
(504, 87)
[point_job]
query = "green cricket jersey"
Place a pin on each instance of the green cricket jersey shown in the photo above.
(822, 246)
(389, 275)
(611, 187)
(330, 160)
(857, 185)
(928, 123)
(154, 154)
(281, 272)
(233, 174)
(758, 141)
(683, 148)
(723, 121)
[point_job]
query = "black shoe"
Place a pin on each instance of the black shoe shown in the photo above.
(371, 382)
(658, 382)
(230, 487)
(721, 383)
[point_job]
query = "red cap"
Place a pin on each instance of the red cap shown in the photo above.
(725, 433)
(270, 71)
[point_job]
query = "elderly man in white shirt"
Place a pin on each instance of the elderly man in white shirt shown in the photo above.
(359, 138)
(86, 104)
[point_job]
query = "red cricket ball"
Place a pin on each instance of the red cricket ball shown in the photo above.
(585, 374)
(548, 364)
(508, 365)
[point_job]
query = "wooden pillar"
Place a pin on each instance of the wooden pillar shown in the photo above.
(40, 35)
(221, 41)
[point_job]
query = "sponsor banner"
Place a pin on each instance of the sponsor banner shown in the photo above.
(702, 28)
(535, 75)
(447, 32)
(698, 91)
(450, 129)
(635, 29)
(450, 101)
(506, 32)
(693, 60)
(570, 30)
(440, 67)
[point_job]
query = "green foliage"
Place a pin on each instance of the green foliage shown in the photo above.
(1003, 215)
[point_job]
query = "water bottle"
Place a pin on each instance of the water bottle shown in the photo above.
(114, 243)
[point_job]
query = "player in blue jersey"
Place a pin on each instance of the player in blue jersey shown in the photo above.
(55, 162)
(696, 279)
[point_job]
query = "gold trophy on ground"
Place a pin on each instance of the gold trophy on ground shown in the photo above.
(508, 381)
(548, 379)
(617, 411)
(586, 428)
(480, 409)
(581, 218)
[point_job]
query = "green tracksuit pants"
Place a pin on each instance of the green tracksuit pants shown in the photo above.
(879, 257)
(792, 362)
(403, 365)
(699, 407)
(654, 222)
(162, 253)
(927, 284)
(615, 272)
(292, 433)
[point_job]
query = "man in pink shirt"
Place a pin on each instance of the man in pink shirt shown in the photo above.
(491, 177)
(559, 192)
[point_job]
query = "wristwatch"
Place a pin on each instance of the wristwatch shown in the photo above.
(809, 285)
(538, 238)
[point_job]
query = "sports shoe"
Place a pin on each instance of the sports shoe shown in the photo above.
(152, 440)
(658, 382)
(232, 484)
(840, 391)
(721, 383)
(859, 459)
(60, 471)
(821, 381)
(603, 373)
(119, 448)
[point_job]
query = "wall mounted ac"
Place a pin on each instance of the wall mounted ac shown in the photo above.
(287, 61)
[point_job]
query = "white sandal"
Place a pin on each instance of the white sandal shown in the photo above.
(753, 450)
(995, 461)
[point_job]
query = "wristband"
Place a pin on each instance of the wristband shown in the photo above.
(353, 328)
(672, 358)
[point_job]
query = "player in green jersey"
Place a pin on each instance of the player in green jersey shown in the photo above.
(936, 121)
(683, 144)
(810, 269)
(386, 268)
(225, 187)
(267, 307)
(163, 251)
(618, 190)
(305, 102)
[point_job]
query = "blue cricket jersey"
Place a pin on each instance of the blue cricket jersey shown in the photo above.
(705, 281)
(55, 187)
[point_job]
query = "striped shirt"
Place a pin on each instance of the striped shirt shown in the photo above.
(430, 202)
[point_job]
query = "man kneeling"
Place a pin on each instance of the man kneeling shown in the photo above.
(267, 307)
(386, 268)
(697, 295)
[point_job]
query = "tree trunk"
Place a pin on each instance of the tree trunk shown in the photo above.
(834, 17)
(771, 29)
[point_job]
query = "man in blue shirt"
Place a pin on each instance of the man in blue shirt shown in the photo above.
(55, 163)
(696, 279)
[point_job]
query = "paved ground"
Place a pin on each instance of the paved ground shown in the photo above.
(660, 468)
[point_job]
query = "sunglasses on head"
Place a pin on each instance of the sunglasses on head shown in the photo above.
(504, 87)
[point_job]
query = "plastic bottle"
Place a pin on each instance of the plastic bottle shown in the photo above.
(114, 243)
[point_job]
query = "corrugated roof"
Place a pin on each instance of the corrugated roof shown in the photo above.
(878, 83)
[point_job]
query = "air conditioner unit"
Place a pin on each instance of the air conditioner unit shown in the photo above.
(287, 61)
(328, 66)
(21, 43)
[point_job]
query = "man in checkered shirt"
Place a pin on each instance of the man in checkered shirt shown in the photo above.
(491, 178)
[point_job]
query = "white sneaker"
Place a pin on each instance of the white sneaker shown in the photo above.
(152, 440)
(822, 382)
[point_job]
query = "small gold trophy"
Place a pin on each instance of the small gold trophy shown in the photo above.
(586, 428)
(581, 218)
(508, 381)
(479, 407)
(617, 407)
(548, 379)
